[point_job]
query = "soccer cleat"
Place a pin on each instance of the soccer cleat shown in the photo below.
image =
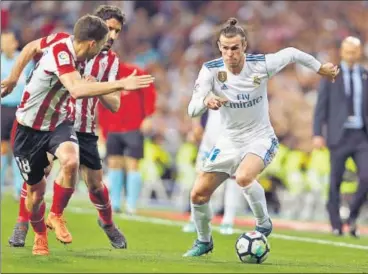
(263, 230)
(40, 246)
(58, 224)
(116, 238)
(18, 238)
(226, 229)
(199, 248)
(189, 228)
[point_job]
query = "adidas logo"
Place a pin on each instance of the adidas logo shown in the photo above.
(224, 87)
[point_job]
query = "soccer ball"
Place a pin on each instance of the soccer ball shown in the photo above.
(252, 247)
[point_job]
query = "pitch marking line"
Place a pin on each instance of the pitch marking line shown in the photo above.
(153, 220)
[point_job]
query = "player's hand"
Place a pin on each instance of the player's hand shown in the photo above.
(214, 102)
(7, 86)
(133, 82)
(329, 70)
(319, 142)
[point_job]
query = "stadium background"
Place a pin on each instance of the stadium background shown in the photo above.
(171, 39)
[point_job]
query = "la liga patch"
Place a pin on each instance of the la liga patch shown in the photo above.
(63, 58)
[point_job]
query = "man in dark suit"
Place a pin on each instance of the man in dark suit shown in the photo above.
(341, 115)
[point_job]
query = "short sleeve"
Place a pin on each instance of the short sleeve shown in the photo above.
(63, 59)
(52, 39)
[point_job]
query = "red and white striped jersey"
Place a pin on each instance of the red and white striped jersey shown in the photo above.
(45, 102)
(104, 67)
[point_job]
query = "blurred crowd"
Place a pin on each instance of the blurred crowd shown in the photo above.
(171, 40)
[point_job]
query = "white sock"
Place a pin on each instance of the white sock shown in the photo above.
(232, 200)
(202, 218)
(256, 198)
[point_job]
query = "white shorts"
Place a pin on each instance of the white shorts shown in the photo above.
(226, 155)
(203, 152)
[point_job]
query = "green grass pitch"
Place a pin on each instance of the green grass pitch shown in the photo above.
(156, 247)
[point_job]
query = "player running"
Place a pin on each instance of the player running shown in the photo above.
(46, 113)
(238, 83)
(104, 67)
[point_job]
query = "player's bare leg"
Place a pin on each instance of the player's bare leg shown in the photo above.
(99, 196)
(36, 207)
(18, 238)
(68, 155)
(246, 174)
(206, 183)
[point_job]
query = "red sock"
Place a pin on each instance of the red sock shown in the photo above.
(61, 198)
(37, 219)
(23, 215)
(101, 201)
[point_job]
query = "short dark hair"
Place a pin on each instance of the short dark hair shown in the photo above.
(106, 12)
(231, 29)
(90, 27)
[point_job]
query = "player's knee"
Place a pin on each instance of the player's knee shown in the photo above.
(70, 165)
(115, 162)
(244, 179)
(198, 198)
(132, 164)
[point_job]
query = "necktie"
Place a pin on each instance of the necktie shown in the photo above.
(351, 95)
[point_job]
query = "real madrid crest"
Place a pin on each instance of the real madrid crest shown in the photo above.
(256, 80)
(222, 76)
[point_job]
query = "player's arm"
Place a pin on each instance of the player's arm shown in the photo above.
(80, 88)
(112, 101)
(202, 89)
(277, 61)
(27, 54)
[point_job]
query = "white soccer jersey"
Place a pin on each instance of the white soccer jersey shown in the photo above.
(45, 102)
(245, 126)
(245, 115)
(104, 67)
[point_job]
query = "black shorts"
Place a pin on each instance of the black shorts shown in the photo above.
(88, 151)
(127, 144)
(7, 120)
(30, 147)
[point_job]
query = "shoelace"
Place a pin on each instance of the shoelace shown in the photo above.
(18, 233)
(62, 223)
(40, 241)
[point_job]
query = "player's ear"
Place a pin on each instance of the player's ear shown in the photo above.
(91, 43)
(219, 45)
(245, 45)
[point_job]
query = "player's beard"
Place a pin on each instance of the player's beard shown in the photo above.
(108, 45)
